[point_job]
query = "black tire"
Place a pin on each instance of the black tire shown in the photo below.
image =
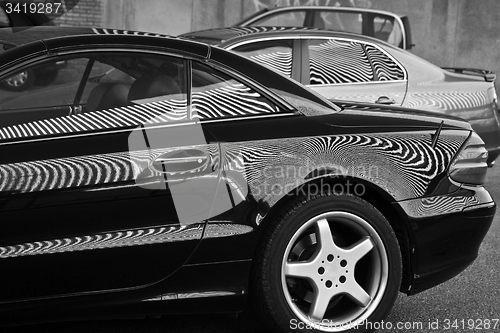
(336, 266)
(19, 82)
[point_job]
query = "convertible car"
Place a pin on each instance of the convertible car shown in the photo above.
(383, 25)
(159, 175)
(349, 67)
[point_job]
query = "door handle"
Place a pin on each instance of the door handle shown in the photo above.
(185, 160)
(385, 100)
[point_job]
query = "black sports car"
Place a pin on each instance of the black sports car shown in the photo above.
(162, 175)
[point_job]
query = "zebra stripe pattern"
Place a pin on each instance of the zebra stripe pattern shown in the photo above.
(233, 99)
(401, 164)
(385, 68)
(89, 170)
(279, 61)
(439, 205)
(360, 109)
(339, 61)
(449, 100)
(103, 31)
(158, 235)
(104, 241)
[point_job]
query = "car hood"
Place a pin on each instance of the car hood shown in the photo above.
(374, 115)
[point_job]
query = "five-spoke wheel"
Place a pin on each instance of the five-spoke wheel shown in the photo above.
(20, 81)
(331, 263)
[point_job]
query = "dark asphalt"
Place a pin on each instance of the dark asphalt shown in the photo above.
(470, 298)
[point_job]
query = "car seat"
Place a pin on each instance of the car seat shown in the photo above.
(149, 86)
(107, 96)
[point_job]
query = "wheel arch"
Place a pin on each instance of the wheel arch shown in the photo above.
(373, 194)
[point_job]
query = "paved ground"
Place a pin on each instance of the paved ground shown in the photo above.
(470, 298)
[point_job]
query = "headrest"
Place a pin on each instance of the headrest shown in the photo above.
(149, 86)
(107, 96)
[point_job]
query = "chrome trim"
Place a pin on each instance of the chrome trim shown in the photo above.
(480, 206)
(355, 83)
(167, 160)
(202, 294)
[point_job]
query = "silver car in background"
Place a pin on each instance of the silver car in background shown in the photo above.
(354, 68)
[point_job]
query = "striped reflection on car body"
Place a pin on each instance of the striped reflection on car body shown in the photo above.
(385, 68)
(91, 170)
(339, 61)
(127, 116)
(104, 31)
(233, 99)
(164, 234)
(455, 102)
(126, 238)
(439, 205)
(401, 164)
(240, 31)
(280, 61)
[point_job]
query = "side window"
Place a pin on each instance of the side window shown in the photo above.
(340, 21)
(386, 69)
(275, 54)
(44, 91)
(388, 29)
(92, 92)
(382, 27)
(338, 61)
(216, 95)
(160, 90)
(293, 18)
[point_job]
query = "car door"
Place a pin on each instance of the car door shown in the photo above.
(110, 188)
(349, 70)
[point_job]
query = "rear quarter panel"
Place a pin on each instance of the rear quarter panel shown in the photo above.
(434, 89)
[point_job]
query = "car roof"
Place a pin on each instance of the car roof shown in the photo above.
(23, 35)
(54, 38)
(231, 35)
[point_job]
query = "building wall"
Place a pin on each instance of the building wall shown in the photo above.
(86, 13)
(460, 33)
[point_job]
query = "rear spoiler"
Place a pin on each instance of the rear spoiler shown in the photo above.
(488, 76)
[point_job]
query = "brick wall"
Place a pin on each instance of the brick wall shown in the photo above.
(86, 13)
